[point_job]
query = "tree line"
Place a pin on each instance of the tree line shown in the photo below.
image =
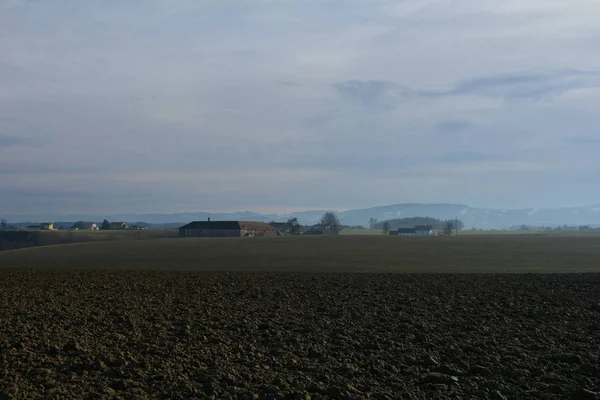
(329, 223)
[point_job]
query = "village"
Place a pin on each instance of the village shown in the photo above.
(210, 228)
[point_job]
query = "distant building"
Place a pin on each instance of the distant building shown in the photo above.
(94, 227)
(280, 226)
(313, 231)
(46, 226)
(419, 230)
(317, 230)
(402, 232)
(227, 229)
(423, 230)
(119, 225)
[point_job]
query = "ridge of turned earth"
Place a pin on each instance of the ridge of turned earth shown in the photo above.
(107, 334)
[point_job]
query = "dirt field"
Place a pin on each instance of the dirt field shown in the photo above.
(148, 319)
(324, 254)
(179, 335)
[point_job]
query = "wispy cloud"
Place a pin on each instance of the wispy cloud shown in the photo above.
(583, 140)
(531, 86)
(373, 93)
(7, 141)
(528, 85)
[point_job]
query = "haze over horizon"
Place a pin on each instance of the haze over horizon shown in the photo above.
(178, 106)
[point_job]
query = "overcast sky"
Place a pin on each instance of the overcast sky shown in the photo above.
(186, 105)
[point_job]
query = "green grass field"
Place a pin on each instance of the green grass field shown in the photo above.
(323, 254)
(63, 237)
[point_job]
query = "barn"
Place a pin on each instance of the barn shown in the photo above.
(403, 232)
(419, 230)
(227, 229)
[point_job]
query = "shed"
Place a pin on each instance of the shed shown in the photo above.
(47, 226)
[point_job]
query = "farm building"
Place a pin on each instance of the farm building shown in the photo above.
(280, 226)
(403, 232)
(317, 230)
(419, 230)
(423, 230)
(313, 231)
(47, 226)
(227, 229)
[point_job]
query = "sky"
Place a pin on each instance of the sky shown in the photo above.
(273, 106)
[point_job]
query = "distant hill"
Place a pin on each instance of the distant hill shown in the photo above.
(483, 218)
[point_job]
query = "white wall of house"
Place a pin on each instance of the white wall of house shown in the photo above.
(423, 233)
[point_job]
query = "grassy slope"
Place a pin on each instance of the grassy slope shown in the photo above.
(328, 254)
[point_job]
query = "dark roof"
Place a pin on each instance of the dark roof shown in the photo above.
(229, 225)
(257, 226)
(219, 225)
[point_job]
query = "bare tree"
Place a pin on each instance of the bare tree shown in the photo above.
(386, 228)
(448, 228)
(331, 223)
(292, 226)
(3, 224)
(372, 222)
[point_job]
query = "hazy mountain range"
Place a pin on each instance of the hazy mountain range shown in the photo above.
(484, 218)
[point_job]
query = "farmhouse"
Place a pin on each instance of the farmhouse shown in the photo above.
(227, 229)
(423, 230)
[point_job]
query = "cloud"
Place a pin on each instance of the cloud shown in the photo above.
(185, 104)
(528, 85)
(378, 94)
(531, 86)
(583, 140)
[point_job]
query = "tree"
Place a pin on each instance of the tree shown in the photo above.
(448, 228)
(3, 224)
(105, 225)
(331, 223)
(292, 226)
(372, 223)
(81, 225)
(386, 228)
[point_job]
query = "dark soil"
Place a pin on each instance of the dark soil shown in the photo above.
(180, 335)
